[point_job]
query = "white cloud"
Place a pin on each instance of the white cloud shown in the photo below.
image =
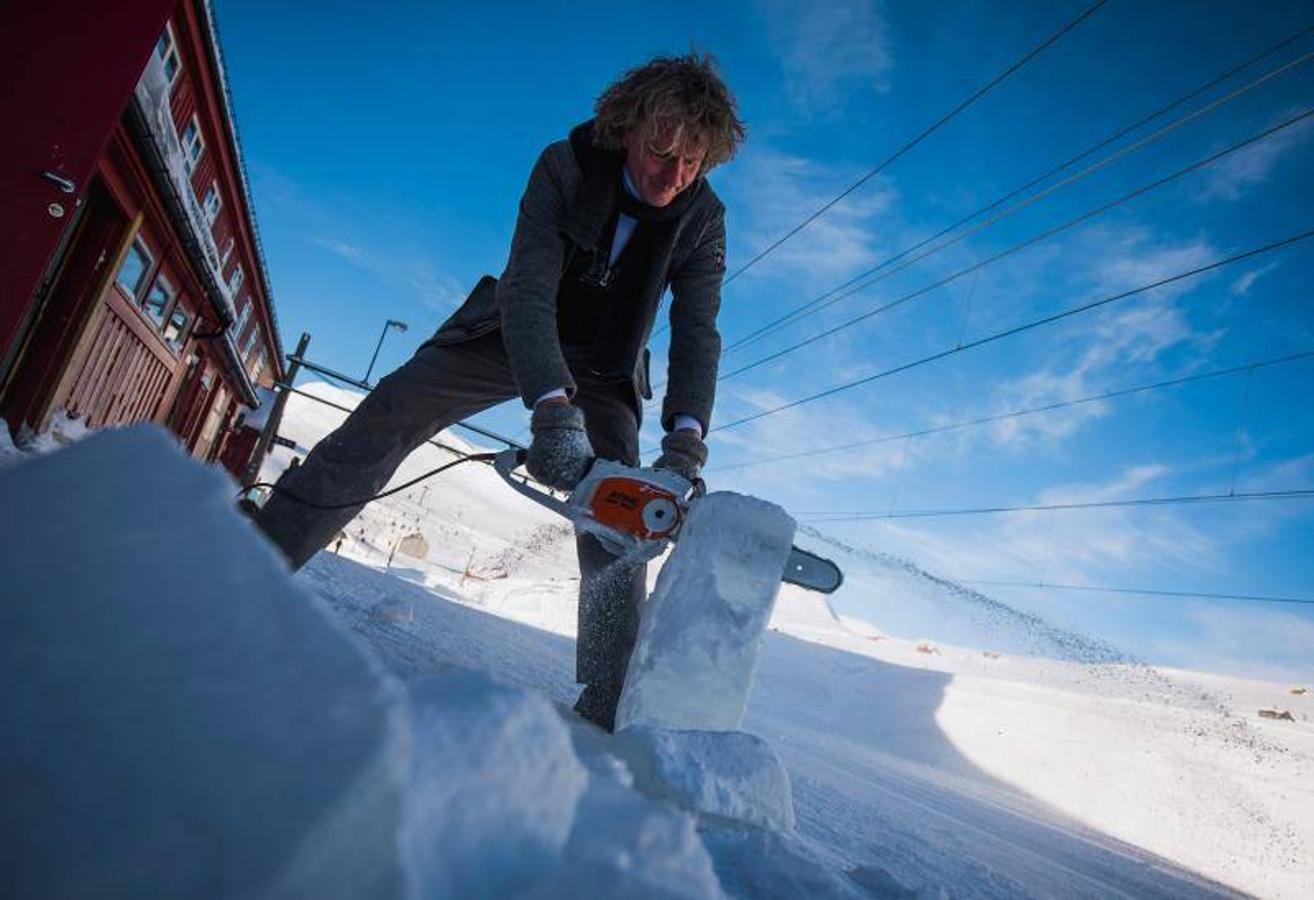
(1132, 479)
(1127, 258)
(1095, 546)
(350, 252)
(1296, 473)
(806, 428)
(830, 50)
(1236, 174)
(415, 276)
(1246, 639)
(1106, 353)
(772, 192)
(1242, 285)
(321, 218)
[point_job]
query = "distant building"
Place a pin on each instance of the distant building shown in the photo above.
(132, 282)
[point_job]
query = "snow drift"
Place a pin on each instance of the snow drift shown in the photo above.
(182, 718)
(952, 772)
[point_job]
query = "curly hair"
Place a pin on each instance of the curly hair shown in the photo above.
(683, 93)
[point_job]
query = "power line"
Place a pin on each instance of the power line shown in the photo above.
(1146, 591)
(284, 386)
(1018, 329)
(849, 287)
(819, 517)
(1018, 413)
(1015, 248)
(482, 432)
(977, 95)
(818, 303)
(980, 92)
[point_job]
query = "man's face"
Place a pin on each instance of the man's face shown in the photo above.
(663, 164)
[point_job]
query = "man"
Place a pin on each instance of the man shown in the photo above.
(610, 218)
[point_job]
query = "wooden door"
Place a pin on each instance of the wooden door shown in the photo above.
(127, 372)
(68, 68)
(54, 338)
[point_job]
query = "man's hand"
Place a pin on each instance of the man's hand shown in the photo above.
(683, 452)
(560, 454)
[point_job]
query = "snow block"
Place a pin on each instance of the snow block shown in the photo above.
(753, 862)
(700, 632)
(394, 610)
(493, 786)
(731, 775)
(180, 719)
(624, 845)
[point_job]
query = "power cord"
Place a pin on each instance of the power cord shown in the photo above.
(476, 457)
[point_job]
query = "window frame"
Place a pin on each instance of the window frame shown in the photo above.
(190, 161)
(235, 281)
(184, 333)
(242, 318)
(172, 48)
(212, 191)
(147, 276)
(170, 301)
(251, 341)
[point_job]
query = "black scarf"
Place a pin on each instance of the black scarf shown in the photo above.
(608, 318)
(603, 190)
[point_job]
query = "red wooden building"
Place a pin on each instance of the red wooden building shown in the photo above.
(132, 282)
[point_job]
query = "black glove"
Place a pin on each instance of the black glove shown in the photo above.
(560, 454)
(684, 453)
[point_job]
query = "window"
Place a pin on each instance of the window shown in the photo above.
(257, 366)
(167, 51)
(235, 281)
(193, 144)
(212, 422)
(242, 319)
(158, 300)
(134, 269)
(211, 204)
(245, 349)
(228, 252)
(175, 330)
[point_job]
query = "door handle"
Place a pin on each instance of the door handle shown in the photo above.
(67, 185)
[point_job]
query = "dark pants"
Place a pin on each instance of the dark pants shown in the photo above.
(434, 389)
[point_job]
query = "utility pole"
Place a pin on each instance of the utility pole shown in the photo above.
(391, 323)
(252, 474)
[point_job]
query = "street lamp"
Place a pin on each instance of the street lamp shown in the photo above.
(392, 323)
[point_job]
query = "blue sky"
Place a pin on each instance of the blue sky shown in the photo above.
(388, 145)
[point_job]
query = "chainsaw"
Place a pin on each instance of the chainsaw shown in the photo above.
(636, 512)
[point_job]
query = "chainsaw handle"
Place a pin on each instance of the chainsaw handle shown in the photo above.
(510, 459)
(506, 462)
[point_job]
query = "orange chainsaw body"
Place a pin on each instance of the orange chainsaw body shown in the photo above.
(635, 507)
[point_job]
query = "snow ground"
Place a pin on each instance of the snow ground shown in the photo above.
(918, 768)
(1058, 766)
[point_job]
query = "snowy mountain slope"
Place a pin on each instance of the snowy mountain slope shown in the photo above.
(1062, 765)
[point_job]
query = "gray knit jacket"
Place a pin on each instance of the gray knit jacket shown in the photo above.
(553, 220)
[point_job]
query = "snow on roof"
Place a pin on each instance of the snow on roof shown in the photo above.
(152, 100)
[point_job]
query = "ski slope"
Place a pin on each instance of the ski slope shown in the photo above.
(1058, 767)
